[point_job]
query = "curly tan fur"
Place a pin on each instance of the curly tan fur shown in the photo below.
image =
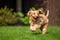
(38, 20)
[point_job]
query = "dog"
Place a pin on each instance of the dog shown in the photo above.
(38, 19)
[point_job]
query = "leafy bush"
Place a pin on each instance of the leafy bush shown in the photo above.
(7, 16)
(32, 8)
(25, 19)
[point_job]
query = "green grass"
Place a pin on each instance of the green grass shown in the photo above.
(23, 33)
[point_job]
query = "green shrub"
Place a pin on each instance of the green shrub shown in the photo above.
(20, 14)
(7, 16)
(25, 19)
(32, 8)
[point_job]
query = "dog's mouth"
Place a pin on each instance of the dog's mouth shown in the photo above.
(34, 17)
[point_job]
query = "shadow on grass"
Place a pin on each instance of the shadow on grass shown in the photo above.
(38, 33)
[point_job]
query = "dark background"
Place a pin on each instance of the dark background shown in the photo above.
(52, 5)
(8, 3)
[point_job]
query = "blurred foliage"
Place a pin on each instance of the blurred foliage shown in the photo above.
(7, 16)
(25, 19)
(20, 14)
(32, 8)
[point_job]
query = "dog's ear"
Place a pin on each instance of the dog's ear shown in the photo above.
(29, 13)
(47, 13)
(40, 12)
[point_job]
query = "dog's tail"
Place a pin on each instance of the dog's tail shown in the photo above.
(47, 14)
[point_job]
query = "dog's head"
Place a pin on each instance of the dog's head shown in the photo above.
(33, 13)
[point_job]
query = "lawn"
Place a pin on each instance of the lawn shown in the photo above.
(23, 33)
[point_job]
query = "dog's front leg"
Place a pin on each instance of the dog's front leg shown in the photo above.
(32, 28)
(44, 29)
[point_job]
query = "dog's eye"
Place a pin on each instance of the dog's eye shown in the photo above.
(40, 12)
